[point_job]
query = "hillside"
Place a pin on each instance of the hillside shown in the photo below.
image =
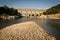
(53, 10)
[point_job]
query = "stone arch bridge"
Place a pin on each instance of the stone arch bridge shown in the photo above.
(32, 11)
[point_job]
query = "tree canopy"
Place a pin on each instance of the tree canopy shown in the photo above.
(9, 11)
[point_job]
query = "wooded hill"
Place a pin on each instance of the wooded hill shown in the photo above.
(53, 10)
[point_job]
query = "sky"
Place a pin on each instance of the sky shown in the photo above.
(43, 4)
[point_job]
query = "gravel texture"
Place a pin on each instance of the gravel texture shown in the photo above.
(24, 31)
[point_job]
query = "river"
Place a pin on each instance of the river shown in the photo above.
(49, 25)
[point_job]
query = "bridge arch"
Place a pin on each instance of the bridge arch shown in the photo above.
(31, 10)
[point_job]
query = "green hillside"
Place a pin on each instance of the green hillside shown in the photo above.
(53, 10)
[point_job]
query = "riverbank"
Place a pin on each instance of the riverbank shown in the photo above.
(24, 31)
(52, 16)
(46, 24)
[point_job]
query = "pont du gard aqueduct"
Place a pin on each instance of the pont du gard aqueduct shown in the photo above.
(30, 11)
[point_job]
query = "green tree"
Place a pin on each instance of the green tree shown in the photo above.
(5, 11)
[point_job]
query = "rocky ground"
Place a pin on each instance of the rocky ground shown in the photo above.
(24, 31)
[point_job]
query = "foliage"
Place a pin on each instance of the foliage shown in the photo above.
(53, 10)
(9, 11)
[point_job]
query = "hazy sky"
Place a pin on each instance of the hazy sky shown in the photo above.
(29, 3)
